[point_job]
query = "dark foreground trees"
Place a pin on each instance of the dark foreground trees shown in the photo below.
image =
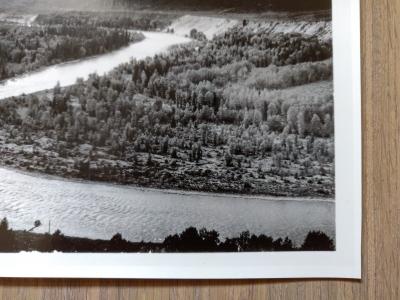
(317, 240)
(190, 240)
(7, 237)
(193, 240)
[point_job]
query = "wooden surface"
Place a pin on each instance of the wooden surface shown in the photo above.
(381, 242)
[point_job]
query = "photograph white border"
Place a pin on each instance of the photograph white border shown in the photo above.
(345, 262)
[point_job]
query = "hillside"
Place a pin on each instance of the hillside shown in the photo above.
(211, 26)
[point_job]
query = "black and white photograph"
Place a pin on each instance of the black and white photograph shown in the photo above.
(167, 126)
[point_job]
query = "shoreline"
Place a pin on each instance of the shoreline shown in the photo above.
(167, 191)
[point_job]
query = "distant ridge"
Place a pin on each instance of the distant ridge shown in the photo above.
(230, 5)
(225, 5)
(53, 5)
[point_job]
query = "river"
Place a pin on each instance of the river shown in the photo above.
(67, 73)
(98, 210)
(94, 210)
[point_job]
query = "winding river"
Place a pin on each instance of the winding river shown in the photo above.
(67, 73)
(96, 210)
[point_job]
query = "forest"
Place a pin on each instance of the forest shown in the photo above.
(246, 112)
(190, 240)
(24, 49)
(150, 21)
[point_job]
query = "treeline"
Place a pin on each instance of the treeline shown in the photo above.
(138, 20)
(86, 41)
(24, 49)
(193, 240)
(237, 5)
(190, 240)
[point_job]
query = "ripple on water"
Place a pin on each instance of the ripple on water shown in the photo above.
(100, 211)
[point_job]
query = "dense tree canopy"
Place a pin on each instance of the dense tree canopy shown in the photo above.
(248, 110)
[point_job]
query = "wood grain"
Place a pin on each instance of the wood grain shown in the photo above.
(381, 226)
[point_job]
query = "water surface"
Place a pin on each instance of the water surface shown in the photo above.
(100, 210)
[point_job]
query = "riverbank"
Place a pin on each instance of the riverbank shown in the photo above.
(166, 191)
(166, 175)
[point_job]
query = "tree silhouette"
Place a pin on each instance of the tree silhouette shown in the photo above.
(318, 241)
(7, 237)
